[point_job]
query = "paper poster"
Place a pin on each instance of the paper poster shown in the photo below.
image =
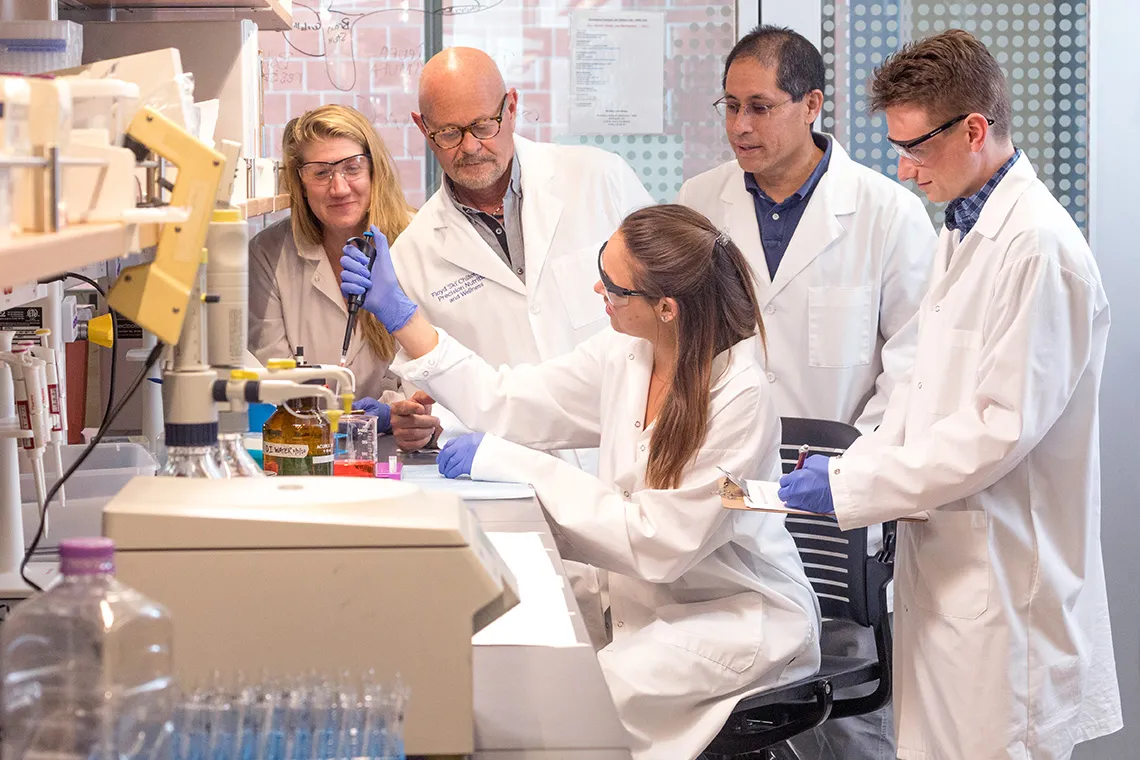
(617, 72)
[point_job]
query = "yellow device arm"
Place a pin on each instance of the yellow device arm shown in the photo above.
(155, 295)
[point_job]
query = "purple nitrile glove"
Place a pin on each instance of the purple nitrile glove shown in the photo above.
(458, 454)
(382, 412)
(809, 488)
(383, 295)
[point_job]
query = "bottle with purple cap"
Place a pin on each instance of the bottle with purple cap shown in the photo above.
(87, 669)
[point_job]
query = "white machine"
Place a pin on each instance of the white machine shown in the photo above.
(284, 575)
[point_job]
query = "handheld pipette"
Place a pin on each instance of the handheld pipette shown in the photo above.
(365, 245)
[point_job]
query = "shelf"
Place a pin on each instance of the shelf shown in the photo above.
(27, 258)
(11, 297)
(267, 205)
(270, 15)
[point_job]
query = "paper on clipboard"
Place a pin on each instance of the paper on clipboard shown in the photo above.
(763, 496)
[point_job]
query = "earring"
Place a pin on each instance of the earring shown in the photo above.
(665, 317)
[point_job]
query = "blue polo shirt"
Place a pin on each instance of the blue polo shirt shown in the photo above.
(778, 221)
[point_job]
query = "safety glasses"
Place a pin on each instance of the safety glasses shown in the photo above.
(321, 173)
(908, 149)
(615, 294)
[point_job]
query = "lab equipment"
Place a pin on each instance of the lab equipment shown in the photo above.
(191, 461)
(373, 280)
(107, 469)
(100, 186)
(56, 398)
(297, 439)
(49, 125)
(356, 446)
(87, 668)
(35, 46)
(393, 469)
(365, 245)
(227, 278)
(233, 459)
(319, 560)
(294, 718)
(152, 294)
(15, 144)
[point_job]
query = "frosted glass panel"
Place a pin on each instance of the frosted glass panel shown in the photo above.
(1043, 48)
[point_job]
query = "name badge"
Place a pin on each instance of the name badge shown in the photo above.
(457, 289)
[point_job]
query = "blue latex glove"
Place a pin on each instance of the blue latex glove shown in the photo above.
(457, 455)
(382, 412)
(383, 295)
(809, 488)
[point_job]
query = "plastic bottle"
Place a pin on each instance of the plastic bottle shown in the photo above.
(87, 669)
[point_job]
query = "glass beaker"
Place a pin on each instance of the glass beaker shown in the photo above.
(355, 446)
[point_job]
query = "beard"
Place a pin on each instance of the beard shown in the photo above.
(477, 172)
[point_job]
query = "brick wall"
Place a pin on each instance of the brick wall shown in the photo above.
(369, 53)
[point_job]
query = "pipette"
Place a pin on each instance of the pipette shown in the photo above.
(366, 246)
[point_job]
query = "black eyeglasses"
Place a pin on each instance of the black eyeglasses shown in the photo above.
(481, 129)
(615, 294)
(905, 148)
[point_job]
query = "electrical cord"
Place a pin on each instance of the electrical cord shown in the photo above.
(110, 413)
(151, 360)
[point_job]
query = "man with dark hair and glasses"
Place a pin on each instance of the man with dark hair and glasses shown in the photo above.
(842, 257)
(504, 255)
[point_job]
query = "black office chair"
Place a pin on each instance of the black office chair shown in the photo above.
(850, 586)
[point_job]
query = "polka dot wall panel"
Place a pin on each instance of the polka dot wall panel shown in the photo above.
(1042, 47)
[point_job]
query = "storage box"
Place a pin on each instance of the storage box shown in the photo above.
(34, 47)
(109, 467)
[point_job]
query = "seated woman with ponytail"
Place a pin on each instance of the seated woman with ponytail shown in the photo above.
(708, 605)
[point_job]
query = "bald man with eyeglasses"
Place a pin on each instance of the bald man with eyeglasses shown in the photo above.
(504, 255)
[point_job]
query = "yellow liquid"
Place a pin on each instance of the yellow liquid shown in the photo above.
(298, 440)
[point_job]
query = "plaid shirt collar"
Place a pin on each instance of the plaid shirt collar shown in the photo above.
(962, 213)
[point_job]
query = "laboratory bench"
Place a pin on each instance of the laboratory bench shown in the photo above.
(536, 702)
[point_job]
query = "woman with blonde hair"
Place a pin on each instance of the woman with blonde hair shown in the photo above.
(341, 181)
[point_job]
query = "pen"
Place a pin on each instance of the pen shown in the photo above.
(803, 456)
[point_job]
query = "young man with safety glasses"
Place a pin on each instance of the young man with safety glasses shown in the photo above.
(1002, 642)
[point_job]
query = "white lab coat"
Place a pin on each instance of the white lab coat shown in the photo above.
(574, 198)
(295, 299)
(837, 313)
(708, 604)
(1002, 640)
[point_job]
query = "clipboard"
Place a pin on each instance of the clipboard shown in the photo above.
(732, 497)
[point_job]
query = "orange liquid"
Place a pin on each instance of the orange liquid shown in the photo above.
(355, 469)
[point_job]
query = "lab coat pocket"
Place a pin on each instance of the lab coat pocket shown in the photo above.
(841, 326)
(727, 632)
(953, 574)
(948, 370)
(575, 275)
